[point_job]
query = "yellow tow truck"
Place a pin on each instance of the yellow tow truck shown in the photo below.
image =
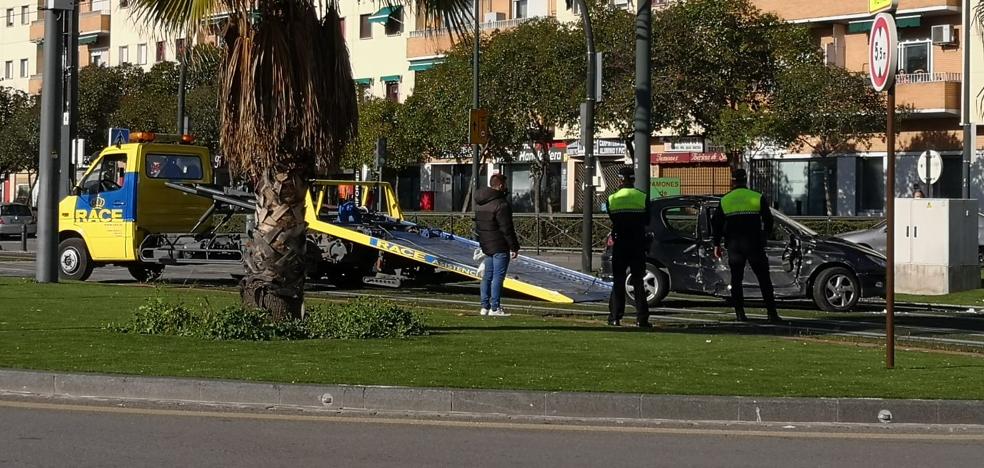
(145, 204)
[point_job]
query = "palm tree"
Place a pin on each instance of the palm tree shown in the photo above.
(288, 108)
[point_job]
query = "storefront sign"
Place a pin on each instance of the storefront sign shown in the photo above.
(601, 148)
(687, 158)
(660, 187)
(526, 154)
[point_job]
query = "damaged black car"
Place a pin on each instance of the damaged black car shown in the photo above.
(833, 273)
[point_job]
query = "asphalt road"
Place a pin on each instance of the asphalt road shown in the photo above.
(45, 434)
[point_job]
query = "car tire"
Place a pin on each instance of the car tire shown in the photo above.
(656, 282)
(145, 272)
(74, 262)
(836, 289)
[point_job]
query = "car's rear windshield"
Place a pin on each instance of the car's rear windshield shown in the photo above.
(15, 210)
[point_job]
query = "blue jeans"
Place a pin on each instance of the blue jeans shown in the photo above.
(492, 278)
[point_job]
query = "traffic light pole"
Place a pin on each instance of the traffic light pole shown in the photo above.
(69, 129)
(643, 94)
(476, 103)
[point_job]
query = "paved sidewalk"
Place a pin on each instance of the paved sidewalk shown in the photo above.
(620, 406)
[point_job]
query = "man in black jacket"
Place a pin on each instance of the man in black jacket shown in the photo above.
(493, 221)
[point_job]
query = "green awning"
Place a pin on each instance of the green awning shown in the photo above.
(865, 26)
(363, 81)
(390, 78)
(88, 39)
(424, 64)
(384, 13)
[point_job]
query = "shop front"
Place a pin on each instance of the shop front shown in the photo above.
(694, 173)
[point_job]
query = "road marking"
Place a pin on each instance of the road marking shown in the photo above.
(552, 427)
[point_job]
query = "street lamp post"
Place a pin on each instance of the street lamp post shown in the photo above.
(587, 139)
(643, 94)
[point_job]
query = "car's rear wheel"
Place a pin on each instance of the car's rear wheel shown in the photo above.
(656, 282)
(836, 289)
(73, 260)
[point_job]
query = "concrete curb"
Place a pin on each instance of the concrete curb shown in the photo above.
(495, 402)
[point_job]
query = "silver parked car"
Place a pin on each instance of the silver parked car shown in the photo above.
(874, 238)
(13, 217)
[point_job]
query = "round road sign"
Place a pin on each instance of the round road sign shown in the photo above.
(929, 167)
(883, 52)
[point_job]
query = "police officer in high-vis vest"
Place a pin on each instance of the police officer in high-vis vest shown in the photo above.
(744, 220)
(629, 211)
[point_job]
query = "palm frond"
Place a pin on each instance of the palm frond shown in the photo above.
(179, 17)
(455, 15)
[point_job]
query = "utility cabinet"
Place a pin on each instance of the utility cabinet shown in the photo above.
(936, 245)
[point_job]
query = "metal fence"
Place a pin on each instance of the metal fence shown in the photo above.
(562, 231)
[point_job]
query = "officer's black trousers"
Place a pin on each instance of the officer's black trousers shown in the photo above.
(633, 260)
(759, 262)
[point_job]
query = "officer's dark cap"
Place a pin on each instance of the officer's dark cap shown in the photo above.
(626, 173)
(739, 175)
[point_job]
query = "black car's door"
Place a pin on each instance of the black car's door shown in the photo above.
(782, 249)
(784, 260)
(680, 246)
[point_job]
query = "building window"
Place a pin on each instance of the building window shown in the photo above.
(98, 57)
(141, 54)
(520, 9)
(124, 55)
(8, 69)
(914, 57)
(341, 27)
(161, 51)
(394, 24)
(23, 68)
(365, 27)
(179, 49)
(25, 14)
(871, 184)
(393, 91)
(124, 3)
(10, 16)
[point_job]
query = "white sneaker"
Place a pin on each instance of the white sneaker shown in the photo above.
(498, 313)
(484, 311)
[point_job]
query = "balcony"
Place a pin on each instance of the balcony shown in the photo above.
(34, 84)
(37, 31)
(812, 9)
(435, 41)
(92, 26)
(930, 93)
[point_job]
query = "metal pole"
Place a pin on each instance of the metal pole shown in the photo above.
(969, 136)
(643, 94)
(183, 65)
(587, 130)
(476, 102)
(890, 240)
(51, 105)
(69, 128)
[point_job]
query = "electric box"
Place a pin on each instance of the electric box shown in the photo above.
(936, 245)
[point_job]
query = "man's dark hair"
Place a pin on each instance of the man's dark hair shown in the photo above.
(497, 181)
(739, 177)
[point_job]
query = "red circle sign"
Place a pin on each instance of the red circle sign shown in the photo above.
(883, 52)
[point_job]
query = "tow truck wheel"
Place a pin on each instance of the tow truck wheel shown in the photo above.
(73, 260)
(656, 282)
(144, 272)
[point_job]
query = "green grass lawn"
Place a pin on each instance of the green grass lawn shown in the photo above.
(61, 327)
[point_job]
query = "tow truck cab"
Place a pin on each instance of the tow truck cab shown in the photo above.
(122, 198)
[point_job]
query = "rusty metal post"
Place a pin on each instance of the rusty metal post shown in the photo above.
(890, 240)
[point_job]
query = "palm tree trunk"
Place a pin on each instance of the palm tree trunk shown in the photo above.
(275, 267)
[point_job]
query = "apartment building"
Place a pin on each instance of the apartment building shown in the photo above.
(929, 80)
(107, 36)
